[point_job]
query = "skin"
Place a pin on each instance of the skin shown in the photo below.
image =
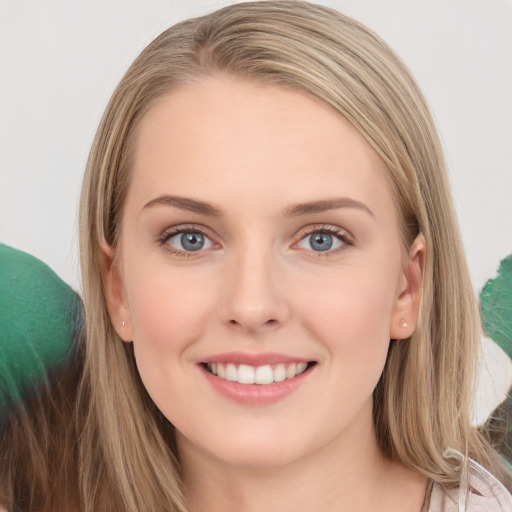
(254, 152)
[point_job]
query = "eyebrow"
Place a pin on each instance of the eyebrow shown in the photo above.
(184, 203)
(325, 205)
(203, 208)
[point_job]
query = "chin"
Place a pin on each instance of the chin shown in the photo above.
(259, 456)
(247, 449)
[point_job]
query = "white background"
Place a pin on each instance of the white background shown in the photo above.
(60, 61)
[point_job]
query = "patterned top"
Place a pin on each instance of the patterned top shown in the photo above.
(484, 494)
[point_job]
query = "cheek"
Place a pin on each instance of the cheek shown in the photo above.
(349, 314)
(351, 304)
(165, 307)
(168, 315)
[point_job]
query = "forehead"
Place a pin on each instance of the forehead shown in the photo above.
(228, 135)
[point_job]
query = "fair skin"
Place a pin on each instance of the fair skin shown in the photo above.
(292, 255)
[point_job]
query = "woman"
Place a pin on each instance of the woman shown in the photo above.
(278, 312)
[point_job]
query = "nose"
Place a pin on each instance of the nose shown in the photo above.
(253, 299)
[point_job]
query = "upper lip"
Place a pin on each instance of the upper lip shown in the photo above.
(251, 359)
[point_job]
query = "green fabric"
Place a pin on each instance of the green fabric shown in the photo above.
(496, 311)
(496, 306)
(39, 317)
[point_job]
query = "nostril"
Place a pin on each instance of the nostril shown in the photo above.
(267, 323)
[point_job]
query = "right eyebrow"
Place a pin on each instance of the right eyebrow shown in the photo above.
(184, 203)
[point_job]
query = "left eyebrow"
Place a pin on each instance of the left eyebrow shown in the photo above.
(325, 205)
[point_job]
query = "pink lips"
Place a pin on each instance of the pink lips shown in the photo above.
(254, 394)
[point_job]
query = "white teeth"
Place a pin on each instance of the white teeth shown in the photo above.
(300, 368)
(279, 373)
(231, 373)
(262, 375)
(290, 371)
(245, 374)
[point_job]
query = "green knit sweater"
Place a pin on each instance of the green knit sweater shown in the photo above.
(39, 318)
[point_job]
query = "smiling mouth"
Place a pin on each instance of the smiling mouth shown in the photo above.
(262, 375)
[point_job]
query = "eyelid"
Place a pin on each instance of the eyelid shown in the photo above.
(179, 229)
(342, 234)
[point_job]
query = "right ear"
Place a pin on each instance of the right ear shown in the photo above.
(114, 293)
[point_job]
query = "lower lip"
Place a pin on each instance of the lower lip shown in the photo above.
(256, 394)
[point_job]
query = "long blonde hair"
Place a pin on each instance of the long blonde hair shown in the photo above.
(127, 454)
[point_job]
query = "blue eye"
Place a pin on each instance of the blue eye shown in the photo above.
(192, 241)
(322, 241)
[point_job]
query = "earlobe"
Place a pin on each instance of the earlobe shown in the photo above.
(407, 304)
(115, 296)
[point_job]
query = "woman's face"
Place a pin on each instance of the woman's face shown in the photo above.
(259, 272)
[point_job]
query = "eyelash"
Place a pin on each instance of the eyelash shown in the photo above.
(339, 233)
(180, 230)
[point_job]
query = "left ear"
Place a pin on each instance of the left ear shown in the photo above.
(407, 303)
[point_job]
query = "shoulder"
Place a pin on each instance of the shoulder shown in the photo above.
(484, 494)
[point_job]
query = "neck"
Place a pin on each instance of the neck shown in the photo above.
(348, 473)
